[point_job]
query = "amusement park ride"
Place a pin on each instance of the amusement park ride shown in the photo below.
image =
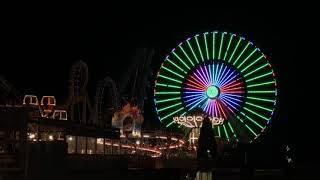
(224, 75)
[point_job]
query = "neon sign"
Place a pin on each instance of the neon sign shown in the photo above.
(196, 121)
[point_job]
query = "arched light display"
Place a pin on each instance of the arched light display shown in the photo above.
(226, 76)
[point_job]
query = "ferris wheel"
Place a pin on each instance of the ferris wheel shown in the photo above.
(225, 75)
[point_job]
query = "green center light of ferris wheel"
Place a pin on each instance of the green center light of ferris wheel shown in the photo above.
(212, 92)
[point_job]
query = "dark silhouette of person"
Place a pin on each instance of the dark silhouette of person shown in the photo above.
(207, 145)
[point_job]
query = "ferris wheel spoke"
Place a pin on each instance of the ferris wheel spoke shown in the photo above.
(197, 80)
(261, 84)
(261, 92)
(252, 63)
(197, 103)
(182, 61)
(169, 70)
(230, 103)
(216, 73)
(186, 55)
(205, 41)
(197, 83)
(170, 124)
(253, 132)
(168, 107)
(176, 66)
(197, 88)
(167, 100)
(225, 131)
(260, 99)
(230, 40)
(227, 105)
(234, 134)
(258, 77)
(214, 108)
(205, 77)
(223, 78)
(219, 132)
(235, 49)
(168, 85)
(168, 115)
(219, 75)
(249, 118)
(231, 85)
(231, 100)
(230, 90)
(221, 44)
(167, 92)
(194, 95)
(213, 44)
(201, 78)
(208, 74)
(190, 47)
(251, 72)
(255, 105)
(234, 63)
(238, 67)
(230, 77)
(199, 47)
(194, 89)
(193, 100)
(221, 110)
(171, 79)
(265, 118)
(222, 74)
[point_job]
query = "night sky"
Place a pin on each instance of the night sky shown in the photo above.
(39, 47)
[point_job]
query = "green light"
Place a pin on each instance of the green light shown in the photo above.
(252, 120)
(256, 114)
(219, 133)
(167, 100)
(168, 107)
(212, 92)
(234, 50)
(213, 44)
(260, 99)
(168, 115)
(261, 84)
(176, 66)
(258, 77)
(186, 55)
(205, 41)
(168, 85)
(225, 130)
(165, 77)
(181, 60)
(255, 70)
(251, 130)
(261, 92)
(247, 58)
(199, 48)
(225, 54)
(221, 42)
(252, 63)
(194, 55)
(255, 105)
(172, 72)
(234, 63)
(234, 134)
(170, 124)
(173, 92)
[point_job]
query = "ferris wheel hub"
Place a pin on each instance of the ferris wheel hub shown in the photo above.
(213, 92)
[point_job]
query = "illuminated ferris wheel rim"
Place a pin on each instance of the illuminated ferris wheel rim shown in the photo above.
(229, 50)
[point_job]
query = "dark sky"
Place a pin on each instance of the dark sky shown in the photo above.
(39, 46)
